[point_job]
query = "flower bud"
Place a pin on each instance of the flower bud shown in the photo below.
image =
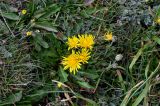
(119, 57)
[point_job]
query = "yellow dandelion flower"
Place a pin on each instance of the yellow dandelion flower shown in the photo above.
(86, 41)
(59, 84)
(24, 11)
(72, 42)
(71, 62)
(29, 33)
(108, 36)
(158, 20)
(84, 56)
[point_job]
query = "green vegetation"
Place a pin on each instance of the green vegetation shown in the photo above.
(121, 68)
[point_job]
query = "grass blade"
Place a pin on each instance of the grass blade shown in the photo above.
(142, 95)
(126, 98)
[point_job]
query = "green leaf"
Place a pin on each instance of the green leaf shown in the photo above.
(39, 13)
(128, 94)
(24, 105)
(15, 97)
(85, 85)
(44, 44)
(41, 42)
(158, 12)
(89, 101)
(39, 94)
(89, 2)
(34, 97)
(147, 70)
(87, 12)
(7, 7)
(135, 59)
(47, 12)
(52, 9)
(12, 99)
(89, 74)
(46, 26)
(3, 28)
(11, 16)
(156, 39)
(5, 52)
(121, 81)
(139, 53)
(37, 47)
(142, 95)
(63, 75)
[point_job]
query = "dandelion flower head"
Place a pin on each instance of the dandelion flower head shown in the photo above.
(86, 41)
(71, 62)
(84, 55)
(72, 42)
(108, 36)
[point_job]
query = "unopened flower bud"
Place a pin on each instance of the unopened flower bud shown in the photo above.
(114, 38)
(119, 57)
(114, 65)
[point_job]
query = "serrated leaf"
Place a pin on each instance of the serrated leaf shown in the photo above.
(11, 16)
(63, 75)
(85, 85)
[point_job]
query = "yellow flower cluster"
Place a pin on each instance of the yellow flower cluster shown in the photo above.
(80, 54)
(83, 41)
